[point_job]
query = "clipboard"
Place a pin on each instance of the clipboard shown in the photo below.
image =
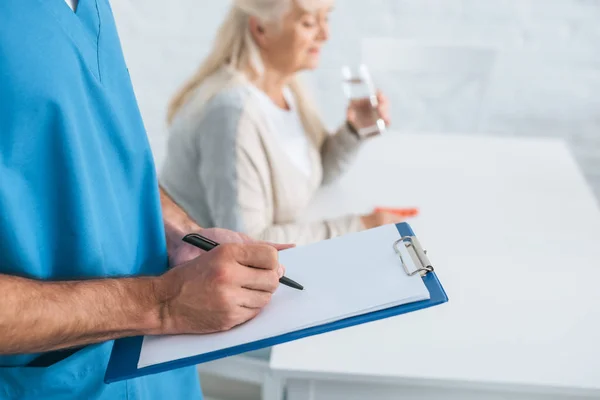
(123, 363)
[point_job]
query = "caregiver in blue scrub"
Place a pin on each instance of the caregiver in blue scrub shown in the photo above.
(86, 236)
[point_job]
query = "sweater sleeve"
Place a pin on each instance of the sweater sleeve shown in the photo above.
(236, 180)
(338, 151)
(258, 219)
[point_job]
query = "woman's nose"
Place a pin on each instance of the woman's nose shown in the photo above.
(323, 31)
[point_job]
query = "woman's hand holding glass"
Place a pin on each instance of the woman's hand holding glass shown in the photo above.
(360, 114)
(368, 109)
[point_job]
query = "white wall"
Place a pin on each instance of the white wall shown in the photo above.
(508, 67)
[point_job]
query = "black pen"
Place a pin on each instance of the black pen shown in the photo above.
(207, 245)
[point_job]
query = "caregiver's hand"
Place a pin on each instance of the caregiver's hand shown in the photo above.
(219, 290)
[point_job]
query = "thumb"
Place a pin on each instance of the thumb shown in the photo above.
(279, 246)
(350, 114)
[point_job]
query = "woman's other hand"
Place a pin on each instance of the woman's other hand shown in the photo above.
(379, 218)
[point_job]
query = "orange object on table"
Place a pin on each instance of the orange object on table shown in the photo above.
(402, 212)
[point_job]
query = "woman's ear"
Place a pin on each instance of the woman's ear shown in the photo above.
(257, 30)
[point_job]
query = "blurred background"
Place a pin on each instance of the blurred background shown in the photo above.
(526, 68)
(499, 67)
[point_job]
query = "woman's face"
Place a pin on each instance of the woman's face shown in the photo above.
(295, 43)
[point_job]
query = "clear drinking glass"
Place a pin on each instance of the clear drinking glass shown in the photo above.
(360, 91)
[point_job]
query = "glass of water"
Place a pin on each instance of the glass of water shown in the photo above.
(360, 91)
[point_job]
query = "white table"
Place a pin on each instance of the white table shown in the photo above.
(514, 233)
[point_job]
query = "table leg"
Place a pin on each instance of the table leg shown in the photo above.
(272, 388)
(299, 389)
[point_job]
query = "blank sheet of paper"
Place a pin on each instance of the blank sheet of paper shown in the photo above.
(345, 276)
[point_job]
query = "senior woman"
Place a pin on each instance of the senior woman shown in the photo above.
(246, 148)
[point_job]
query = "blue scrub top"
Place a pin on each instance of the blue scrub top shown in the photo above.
(78, 191)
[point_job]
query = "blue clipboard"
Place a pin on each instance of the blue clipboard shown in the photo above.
(126, 352)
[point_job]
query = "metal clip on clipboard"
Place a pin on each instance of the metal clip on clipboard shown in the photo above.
(418, 255)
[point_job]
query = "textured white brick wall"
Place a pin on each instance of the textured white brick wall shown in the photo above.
(506, 67)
